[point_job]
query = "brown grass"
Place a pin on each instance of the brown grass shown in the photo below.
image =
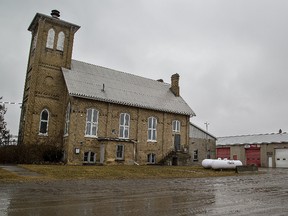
(8, 176)
(54, 172)
(64, 172)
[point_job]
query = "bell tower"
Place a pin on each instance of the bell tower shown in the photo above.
(43, 111)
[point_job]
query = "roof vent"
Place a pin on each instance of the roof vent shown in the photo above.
(55, 14)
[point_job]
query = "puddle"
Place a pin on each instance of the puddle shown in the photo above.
(264, 194)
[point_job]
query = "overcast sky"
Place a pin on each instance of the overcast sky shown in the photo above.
(232, 56)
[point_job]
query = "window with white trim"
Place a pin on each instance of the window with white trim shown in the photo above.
(67, 120)
(44, 120)
(91, 123)
(124, 125)
(151, 158)
(60, 41)
(176, 126)
(89, 157)
(120, 152)
(152, 132)
(50, 38)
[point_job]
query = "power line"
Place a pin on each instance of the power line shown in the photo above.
(8, 102)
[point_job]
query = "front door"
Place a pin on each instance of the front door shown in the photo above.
(270, 162)
(177, 140)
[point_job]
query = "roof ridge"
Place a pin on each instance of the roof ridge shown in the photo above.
(131, 74)
(252, 135)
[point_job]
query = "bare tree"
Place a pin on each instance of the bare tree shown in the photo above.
(4, 133)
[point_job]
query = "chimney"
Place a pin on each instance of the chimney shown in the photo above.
(175, 84)
(55, 14)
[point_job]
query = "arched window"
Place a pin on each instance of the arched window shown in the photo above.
(91, 122)
(67, 120)
(60, 41)
(44, 119)
(152, 132)
(89, 157)
(151, 158)
(124, 125)
(50, 38)
(176, 126)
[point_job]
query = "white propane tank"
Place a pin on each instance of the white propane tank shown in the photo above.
(225, 164)
(207, 163)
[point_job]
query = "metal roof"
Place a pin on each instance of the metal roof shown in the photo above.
(253, 139)
(200, 129)
(103, 84)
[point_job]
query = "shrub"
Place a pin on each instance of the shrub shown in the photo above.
(31, 154)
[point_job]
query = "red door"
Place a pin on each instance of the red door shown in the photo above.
(253, 156)
(223, 153)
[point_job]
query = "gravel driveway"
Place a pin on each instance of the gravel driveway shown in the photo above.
(259, 194)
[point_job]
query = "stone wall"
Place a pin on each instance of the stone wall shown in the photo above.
(136, 147)
(206, 148)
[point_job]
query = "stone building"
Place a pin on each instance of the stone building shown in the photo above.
(262, 150)
(202, 145)
(96, 114)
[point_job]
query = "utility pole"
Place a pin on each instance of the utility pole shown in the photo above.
(207, 142)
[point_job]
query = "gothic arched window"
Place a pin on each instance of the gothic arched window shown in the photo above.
(43, 125)
(176, 125)
(124, 125)
(60, 41)
(91, 122)
(50, 38)
(152, 129)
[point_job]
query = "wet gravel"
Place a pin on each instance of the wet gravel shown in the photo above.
(259, 194)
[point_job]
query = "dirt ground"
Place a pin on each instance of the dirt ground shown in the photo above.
(259, 194)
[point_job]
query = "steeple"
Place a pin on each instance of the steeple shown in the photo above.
(44, 92)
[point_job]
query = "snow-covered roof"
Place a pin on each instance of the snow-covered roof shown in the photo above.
(253, 139)
(103, 84)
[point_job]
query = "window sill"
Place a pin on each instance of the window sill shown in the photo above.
(119, 159)
(44, 135)
(89, 136)
(124, 138)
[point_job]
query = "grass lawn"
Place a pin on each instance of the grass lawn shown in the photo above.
(54, 172)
